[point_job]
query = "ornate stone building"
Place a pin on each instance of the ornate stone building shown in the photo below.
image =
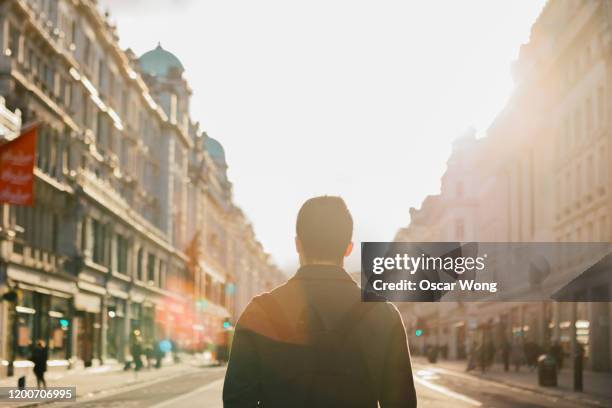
(131, 231)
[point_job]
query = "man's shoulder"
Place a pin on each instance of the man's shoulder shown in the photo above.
(256, 307)
(385, 314)
(276, 294)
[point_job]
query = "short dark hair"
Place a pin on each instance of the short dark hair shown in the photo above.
(324, 227)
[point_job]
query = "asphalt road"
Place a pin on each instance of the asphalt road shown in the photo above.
(194, 389)
(435, 388)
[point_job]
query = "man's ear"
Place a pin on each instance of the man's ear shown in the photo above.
(298, 245)
(349, 249)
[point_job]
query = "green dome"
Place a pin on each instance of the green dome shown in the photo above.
(214, 149)
(159, 62)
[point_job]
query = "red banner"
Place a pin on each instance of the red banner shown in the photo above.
(17, 169)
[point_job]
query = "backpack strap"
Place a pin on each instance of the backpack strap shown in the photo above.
(353, 317)
(276, 316)
(342, 329)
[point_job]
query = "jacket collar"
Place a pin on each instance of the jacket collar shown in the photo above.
(322, 272)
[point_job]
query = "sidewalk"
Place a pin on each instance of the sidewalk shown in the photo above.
(97, 380)
(597, 386)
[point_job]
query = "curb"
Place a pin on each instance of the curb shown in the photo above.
(543, 390)
(538, 390)
(95, 393)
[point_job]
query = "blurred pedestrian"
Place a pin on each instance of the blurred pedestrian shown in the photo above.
(472, 357)
(39, 358)
(557, 352)
(175, 351)
(312, 342)
(506, 355)
(137, 353)
(158, 353)
(532, 352)
(516, 354)
(489, 355)
(432, 353)
(148, 352)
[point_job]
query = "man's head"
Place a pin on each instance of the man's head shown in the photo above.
(324, 229)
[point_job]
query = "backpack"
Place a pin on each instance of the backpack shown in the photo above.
(329, 371)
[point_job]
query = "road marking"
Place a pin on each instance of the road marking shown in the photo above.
(428, 374)
(173, 401)
(447, 392)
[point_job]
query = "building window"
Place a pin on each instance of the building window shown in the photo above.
(162, 274)
(101, 139)
(578, 126)
(151, 268)
(603, 168)
(590, 177)
(568, 188)
(41, 154)
(101, 77)
(13, 44)
(122, 254)
(139, 260)
(601, 105)
(578, 182)
(208, 287)
(66, 159)
(73, 33)
(459, 229)
(460, 189)
(54, 233)
(87, 52)
(589, 117)
(99, 241)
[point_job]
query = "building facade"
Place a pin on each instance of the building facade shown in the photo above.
(541, 174)
(133, 218)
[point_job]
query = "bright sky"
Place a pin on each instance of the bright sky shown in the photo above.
(360, 99)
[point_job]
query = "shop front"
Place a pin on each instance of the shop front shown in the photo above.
(135, 321)
(88, 327)
(42, 312)
(40, 316)
(118, 320)
(115, 333)
(148, 327)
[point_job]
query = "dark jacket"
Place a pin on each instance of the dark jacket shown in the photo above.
(39, 358)
(260, 362)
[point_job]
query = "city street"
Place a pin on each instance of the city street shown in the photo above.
(189, 386)
(189, 184)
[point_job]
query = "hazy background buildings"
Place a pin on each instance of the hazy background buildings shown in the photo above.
(541, 174)
(359, 99)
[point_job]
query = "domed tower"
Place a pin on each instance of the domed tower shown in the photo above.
(216, 152)
(163, 73)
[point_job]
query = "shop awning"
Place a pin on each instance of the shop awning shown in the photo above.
(90, 287)
(117, 293)
(87, 303)
(40, 280)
